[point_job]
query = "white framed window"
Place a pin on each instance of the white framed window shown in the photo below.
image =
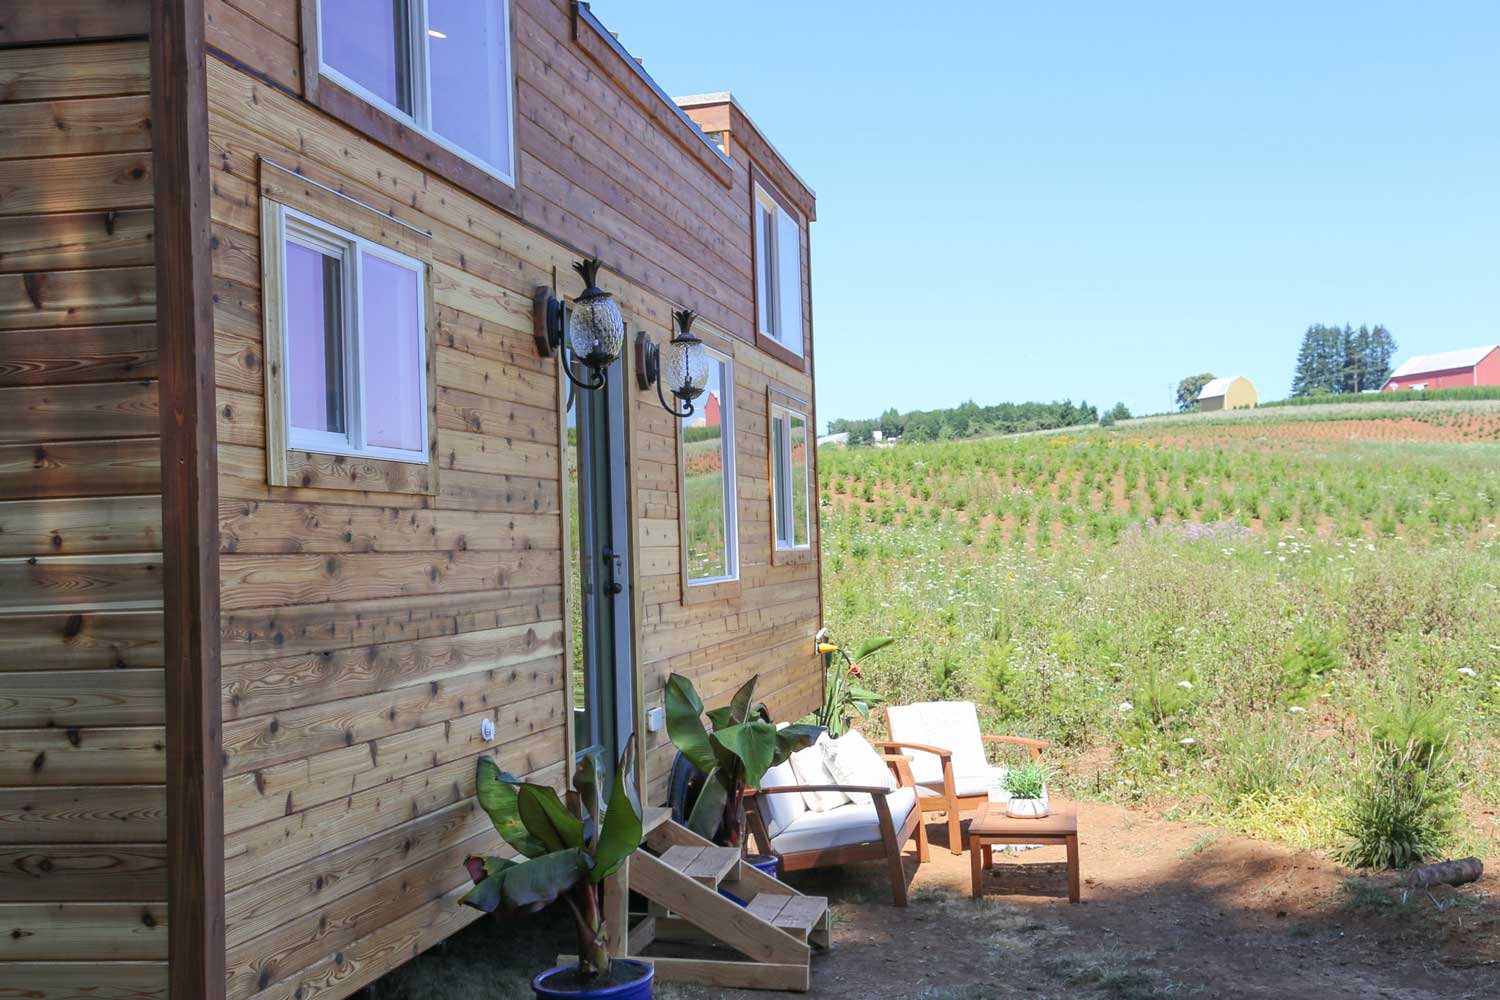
(353, 350)
(778, 272)
(710, 501)
(791, 513)
(442, 66)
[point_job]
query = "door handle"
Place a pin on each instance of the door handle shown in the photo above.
(614, 586)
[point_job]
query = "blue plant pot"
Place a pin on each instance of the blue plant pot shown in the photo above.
(636, 989)
(768, 864)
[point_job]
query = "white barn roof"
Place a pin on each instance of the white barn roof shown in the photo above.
(1218, 387)
(1445, 361)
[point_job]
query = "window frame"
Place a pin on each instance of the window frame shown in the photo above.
(420, 117)
(337, 95)
(784, 407)
(297, 209)
(729, 472)
(315, 234)
(768, 294)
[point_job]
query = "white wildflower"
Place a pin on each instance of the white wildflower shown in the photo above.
(1187, 741)
(1297, 709)
(1467, 671)
(1185, 685)
(1126, 706)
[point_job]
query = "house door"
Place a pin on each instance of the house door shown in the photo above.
(599, 567)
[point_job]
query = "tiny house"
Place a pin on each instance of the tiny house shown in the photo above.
(298, 517)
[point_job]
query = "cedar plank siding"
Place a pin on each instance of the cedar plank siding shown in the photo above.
(82, 764)
(364, 634)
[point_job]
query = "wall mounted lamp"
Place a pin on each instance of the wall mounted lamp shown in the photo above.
(591, 327)
(682, 365)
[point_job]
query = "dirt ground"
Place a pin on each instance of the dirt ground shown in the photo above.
(1169, 910)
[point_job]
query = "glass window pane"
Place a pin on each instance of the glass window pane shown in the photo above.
(779, 497)
(315, 342)
(789, 281)
(393, 371)
(369, 42)
(799, 481)
(705, 478)
(469, 66)
(765, 263)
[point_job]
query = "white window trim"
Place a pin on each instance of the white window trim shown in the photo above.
(421, 122)
(784, 468)
(731, 480)
(299, 227)
(768, 274)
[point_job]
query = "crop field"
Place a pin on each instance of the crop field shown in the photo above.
(1212, 617)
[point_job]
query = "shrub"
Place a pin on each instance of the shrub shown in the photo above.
(1305, 667)
(1402, 813)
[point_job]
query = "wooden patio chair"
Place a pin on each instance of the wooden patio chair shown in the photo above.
(878, 830)
(948, 759)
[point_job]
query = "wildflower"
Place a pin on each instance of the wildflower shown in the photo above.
(1185, 685)
(1187, 741)
(1126, 706)
(854, 671)
(1297, 709)
(1467, 671)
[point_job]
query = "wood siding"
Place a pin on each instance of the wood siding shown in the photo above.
(366, 634)
(82, 744)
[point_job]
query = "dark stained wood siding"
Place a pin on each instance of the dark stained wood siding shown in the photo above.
(82, 740)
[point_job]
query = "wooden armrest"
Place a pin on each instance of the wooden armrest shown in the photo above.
(891, 758)
(924, 748)
(901, 764)
(1020, 741)
(849, 789)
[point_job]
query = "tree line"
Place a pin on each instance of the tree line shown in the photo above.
(969, 420)
(1333, 360)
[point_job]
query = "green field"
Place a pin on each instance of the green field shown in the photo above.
(1206, 615)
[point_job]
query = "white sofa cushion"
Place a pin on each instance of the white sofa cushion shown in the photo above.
(811, 768)
(966, 784)
(853, 761)
(779, 811)
(842, 827)
(950, 725)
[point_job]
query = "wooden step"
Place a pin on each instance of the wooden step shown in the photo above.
(706, 865)
(797, 915)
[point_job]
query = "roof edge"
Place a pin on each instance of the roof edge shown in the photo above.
(727, 97)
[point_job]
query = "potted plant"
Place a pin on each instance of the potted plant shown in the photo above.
(734, 751)
(840, 692)
(1027, 785)
(567, 850)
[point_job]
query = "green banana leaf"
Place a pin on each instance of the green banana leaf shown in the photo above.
(620, 833)
(529, 885)
(548, 819)
(708, 811)
(685, 722)
(586, 784)
(790, 739)
(498, 795)
(872, 646)
(754, 744)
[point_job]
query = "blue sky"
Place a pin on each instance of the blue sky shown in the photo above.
(1092, 200)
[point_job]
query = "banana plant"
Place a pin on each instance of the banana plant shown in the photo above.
(840, 692)
(735, 750)
(567, 849)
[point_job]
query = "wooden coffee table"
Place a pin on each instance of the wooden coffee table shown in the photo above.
(992, 826)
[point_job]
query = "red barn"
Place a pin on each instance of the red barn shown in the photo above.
(1448, 370)
(711, 413)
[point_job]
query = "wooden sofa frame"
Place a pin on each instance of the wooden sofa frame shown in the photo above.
(887, 848)
(949, 801)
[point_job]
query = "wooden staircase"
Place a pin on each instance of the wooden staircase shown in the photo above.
(680, 875)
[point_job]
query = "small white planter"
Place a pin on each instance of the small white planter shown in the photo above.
(1026, 808)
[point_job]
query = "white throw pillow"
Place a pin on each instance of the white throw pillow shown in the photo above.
(853, 761)
(811, 769)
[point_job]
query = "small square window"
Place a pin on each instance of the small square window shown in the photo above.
(791, 511)
(352, 344)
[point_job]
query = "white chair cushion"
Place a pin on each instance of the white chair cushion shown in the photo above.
(853, 761)
(842, 827)
(780, 811)
(951, 725)
(811, 768)
(967, 784)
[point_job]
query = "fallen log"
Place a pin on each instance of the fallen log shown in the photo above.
(1446, 873)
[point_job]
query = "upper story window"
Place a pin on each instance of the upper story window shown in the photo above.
(444, 66)
(353, 344)
(778, 272)
(791, 512)
(709, 502)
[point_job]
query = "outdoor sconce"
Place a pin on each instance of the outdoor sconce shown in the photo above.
(682, 365)
(592, 329)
